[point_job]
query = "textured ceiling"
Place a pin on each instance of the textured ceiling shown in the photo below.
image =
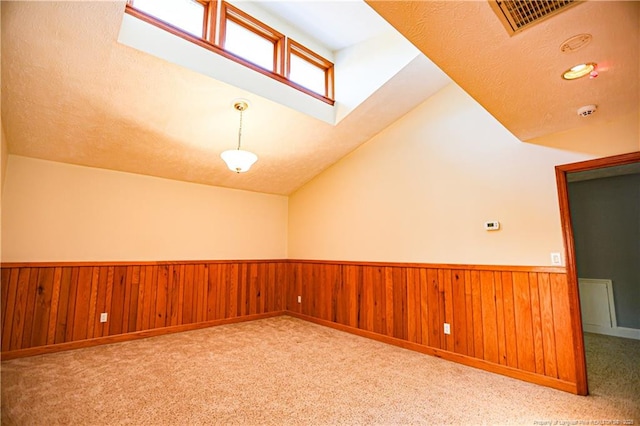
(71, 93)
(517, 79)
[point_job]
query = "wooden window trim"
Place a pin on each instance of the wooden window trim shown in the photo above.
(208, 43)
(208, 19)
(248, 22)
(297, 49)
(131, 10)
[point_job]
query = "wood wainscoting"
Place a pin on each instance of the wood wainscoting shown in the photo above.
(510, 320)
(514, 321)
(54, 306)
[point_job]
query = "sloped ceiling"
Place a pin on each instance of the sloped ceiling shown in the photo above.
(71, 93)
(517, 78)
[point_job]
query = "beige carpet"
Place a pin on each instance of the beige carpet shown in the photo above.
(285, 371)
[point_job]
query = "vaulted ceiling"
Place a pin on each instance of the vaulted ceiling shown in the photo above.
(71, 93)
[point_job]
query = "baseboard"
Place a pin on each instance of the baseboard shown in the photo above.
(449, 356)
(627, 333)
(39, 350)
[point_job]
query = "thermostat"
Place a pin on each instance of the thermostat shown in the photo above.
(492, 226)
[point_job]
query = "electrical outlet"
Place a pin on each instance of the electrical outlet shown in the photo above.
(299, 299)
(556, 259)
(447, 328)
(103, 317)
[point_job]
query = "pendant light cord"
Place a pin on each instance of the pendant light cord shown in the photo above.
(240, 130)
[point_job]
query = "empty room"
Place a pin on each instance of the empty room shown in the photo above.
(320, 212)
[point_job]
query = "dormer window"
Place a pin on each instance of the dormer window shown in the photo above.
(229, 31)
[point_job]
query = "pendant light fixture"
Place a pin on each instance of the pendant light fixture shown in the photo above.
(237, 160)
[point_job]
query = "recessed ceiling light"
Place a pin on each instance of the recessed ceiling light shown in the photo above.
(579, 70)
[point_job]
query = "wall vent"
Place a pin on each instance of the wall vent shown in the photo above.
(517, 15)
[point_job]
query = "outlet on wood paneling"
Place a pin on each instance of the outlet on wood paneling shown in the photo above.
(51, 305)
(518, 318)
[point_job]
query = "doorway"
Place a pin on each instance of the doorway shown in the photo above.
(601, 166)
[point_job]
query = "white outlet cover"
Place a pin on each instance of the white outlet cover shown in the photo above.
(556, 259)
(447, 328)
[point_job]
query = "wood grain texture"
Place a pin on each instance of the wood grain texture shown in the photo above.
(53, 305)
(517, 321)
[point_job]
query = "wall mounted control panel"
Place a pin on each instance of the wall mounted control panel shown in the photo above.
(494, 225)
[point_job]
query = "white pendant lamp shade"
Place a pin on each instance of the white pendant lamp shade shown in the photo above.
(239, 161)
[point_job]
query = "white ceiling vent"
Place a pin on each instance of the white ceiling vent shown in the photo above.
(516, 15)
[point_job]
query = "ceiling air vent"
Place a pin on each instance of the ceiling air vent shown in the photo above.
(517, 15)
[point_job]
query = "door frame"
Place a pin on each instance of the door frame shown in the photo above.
(569, 252)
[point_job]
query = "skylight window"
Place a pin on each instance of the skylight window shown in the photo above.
(188, 15)
(228, 31)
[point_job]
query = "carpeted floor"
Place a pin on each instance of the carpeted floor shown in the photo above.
(285, 371)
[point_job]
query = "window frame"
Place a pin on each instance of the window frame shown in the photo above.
(296, 49)
(209, 17)
(214, 24)
(249, 23)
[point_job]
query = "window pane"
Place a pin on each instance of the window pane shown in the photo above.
(249, 45)
(307, 74)
(187, 15)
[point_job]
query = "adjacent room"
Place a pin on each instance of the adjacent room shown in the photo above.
(320, 212)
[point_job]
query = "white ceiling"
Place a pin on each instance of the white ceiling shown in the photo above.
(335, 24)
(71, 93)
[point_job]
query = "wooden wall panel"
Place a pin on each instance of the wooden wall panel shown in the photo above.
(517, 320)
(489, 317)
(30, 307)
(524, 322)
(48, 305)
(511, 345)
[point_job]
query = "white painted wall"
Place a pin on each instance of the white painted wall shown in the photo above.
(61, 212)
(379, 59)
(421, 190)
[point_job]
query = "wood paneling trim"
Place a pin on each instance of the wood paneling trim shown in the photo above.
(59, 347)
(451, 266)
(450, 356)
